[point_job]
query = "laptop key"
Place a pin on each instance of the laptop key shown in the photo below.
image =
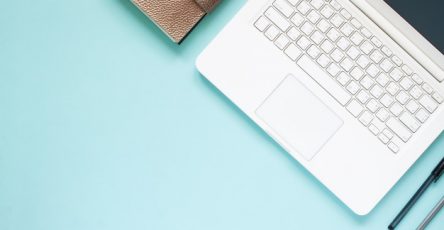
(410, 122)
(277, 19)
(293, 52)
(355, 108)
(399, 129)
(284, 7)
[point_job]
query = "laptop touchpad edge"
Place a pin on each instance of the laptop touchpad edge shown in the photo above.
(299, 117)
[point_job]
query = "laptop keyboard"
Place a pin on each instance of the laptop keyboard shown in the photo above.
(354, 66)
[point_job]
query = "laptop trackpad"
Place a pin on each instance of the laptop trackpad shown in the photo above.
(299, 117)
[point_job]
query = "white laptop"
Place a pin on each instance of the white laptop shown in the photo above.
(347, 87)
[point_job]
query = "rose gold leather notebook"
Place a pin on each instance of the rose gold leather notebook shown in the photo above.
(176, 18)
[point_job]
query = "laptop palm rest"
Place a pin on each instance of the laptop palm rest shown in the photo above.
(299, 117)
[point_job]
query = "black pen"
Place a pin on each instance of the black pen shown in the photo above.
(433, 178)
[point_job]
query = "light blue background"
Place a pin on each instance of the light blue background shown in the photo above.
(105, 124)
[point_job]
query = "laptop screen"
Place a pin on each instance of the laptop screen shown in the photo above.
(427, 16)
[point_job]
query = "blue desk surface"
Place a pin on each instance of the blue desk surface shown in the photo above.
(105, 124)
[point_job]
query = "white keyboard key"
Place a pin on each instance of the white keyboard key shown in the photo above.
(346, 14)
(422, 115)
(327, 46)
(428, 103)
(366, 33)
(376, 56)
(282, 41)
(335, 5)
(307, 28)
(356, 23)
(388, 133)
(313, 16)
(376, 42)
(347, 64)
(366, 118)
(373, 71)
(294, 2)
(383, 115)
(337, 20)
(353, 52)
(337, 55)
(367, 47)
(397, 61)
(387, 100)
(382, 79)
(373, 105)
(303, 43)
(317, 4)
(377, 91)
(272, 32)
(357, 73)
(262, 23)
(380, 125)
(373, 129)
(386, 51)
(303, 7)
(407, 70)
(317, 37)
(417, 79)
(277, 19)
(396, 74)
(363, 96)
(327, 11)
(406, 83)
(353, 88)
(297, 19)
(367, 82)
(363, 61)
(402, 97)
(392, 146)
(333, 34)
(357, 38)
(343, 78)
(383, 138)
(416, 92)
(343, 43)
(324, 80)
(313, 52)
(333, 69)
(293, 34)
(438, 98)
(347, 29)
(396, 109)
(410, 122)
(399, 129)
(355, 108)
(412, 106)
(323, 60)
(293, 52)
(324, 26)
(284, 7)
(427, 88)
(387, 65)
(393, 89)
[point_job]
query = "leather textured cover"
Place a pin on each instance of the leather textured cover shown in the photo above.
(176, 18)
(207, 5)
